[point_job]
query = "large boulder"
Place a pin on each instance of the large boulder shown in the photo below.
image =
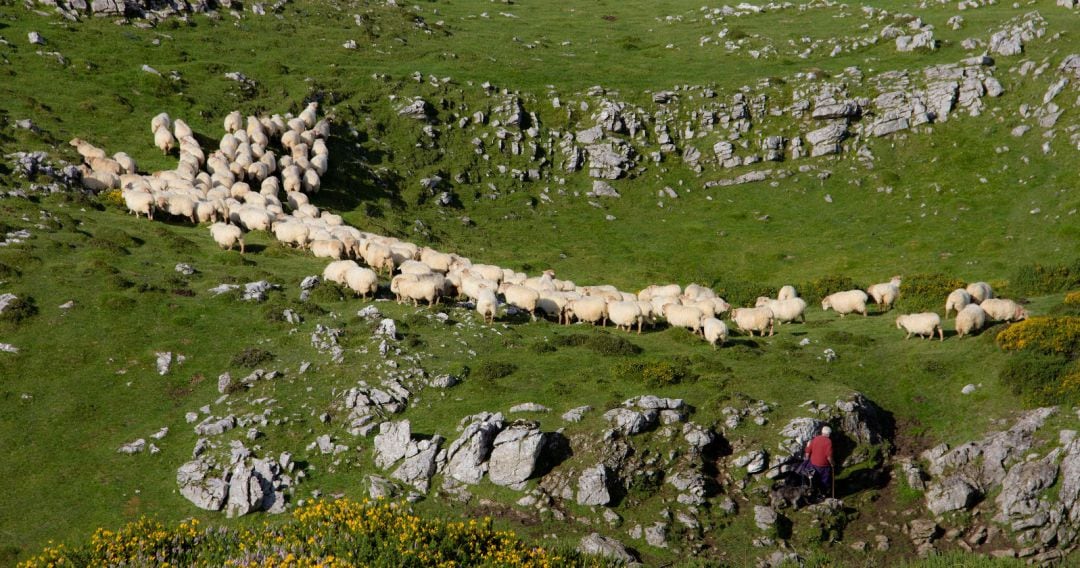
(199, 485)
(418, 465)
(466, 459)
(392, 442)
(516, 453)
(593, 486)
(599, 545)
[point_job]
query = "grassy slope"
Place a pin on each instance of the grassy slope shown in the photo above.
(69, 360)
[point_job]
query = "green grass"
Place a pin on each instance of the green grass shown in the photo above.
(84, 381)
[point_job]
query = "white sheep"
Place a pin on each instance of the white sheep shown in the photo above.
(291, 233)
(336, 271)
(87, 150)
(139, 202)
(885, 293)
(1003, 310)
(684, 316)
(846, 302)
(785, 311)
(437, 261)
(656, 290)
(626, 314)
(362, 281)
(697, 292)
(182, 130)
(716, 331)
(159, 122)
(127, 163)
(970, 319)
(521, 297)
(164, 140)
(487, 305)
(553, 304)
(980, 291)
(227, 236)
(426, 289)
(233, 121)
(958, 300)
(254, 219)
(327, 248)
(753, 319)
(587, 309)
(787, 293)
(377, 256)
(922, 324)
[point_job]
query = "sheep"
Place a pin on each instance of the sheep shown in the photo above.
(227, 236)
(139, 202)
(487, 305)
(127, 163)
(970, 319)
(336, 271)
(922, 324)
(1003, 310)
(715, 331)
(553, 303)
(846, 302)
(753, 319)
(980, 291)
(587, 309)
(787, 293)
(785, 311)
(100, 181)
(437, 261)
(362, 281)
(416, 289)
(697, 292)
(291, 233)
(626, 314)
(958, 300)
(330, 248)
(87, 150)
(885, 293)
(488, 272)
(377, 256)
(206, 211)
(180, 206)
(159, 122)
(181, 129)
(233, 121)
(254, 219)
(684, 316)
(164, 140)
(521, 297)
(655, 290)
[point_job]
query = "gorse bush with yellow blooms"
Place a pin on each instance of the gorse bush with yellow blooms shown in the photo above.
(1045, 369)
(329, 534)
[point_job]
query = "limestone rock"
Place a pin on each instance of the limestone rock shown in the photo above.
(516, 452)
(467, 456)
(630, 422)
(199, 485)
(593, 486)
(392, 442)
(596, 544)
(954, 494)
(418, 465)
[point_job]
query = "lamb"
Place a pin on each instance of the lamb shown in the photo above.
(958, 300)
(785, 311)
(970, 319)
(362, 281)
(923, 324)
(787, 293)
(521, 297)
(846, 302)
(487, 305)
(626, 314)
(139, 202)
(227, 236)
(885, 293)
(753, 319)
(1003, 310)
(980, 291)
(589, 309)
(684, 316)
(715, 331)
(336, 271)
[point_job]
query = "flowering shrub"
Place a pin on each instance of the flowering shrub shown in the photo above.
(329, 534)
(1046, 334)
(1072, 298)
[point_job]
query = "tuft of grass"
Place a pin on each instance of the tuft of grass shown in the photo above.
(493, 370)
(251, 357)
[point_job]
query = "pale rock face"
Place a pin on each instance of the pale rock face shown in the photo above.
(516, 453)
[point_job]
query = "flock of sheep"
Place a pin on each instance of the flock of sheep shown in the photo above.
(224, 194)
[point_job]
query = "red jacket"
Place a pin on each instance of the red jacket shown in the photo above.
(819, 450)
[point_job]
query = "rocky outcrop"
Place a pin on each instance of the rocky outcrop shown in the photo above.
(596, 544)
(248, 485)
(466, 459)
(515, 453)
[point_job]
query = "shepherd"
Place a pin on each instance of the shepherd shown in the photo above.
(819, 454)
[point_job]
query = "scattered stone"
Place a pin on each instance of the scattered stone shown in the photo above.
(764, 517)
(35, 38)
(529, 407)
(596, 544)
(185, 269)
(133, 447)
(576, 414)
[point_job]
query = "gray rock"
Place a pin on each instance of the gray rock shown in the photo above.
(764, 517)
(133, 447)
(164, 361)
(213, 427)
(257, 291)
(199, 485)
(630, 422)
(418, 465)
(603, 189)
(529, 407)
(590, 135)
(576, 414)
(467, 456)
(223, 289)
(185, 269)
(392, 442)
(418, 109)
(656, 535)
(387, 328)
(830, 109)
(826, 140)
(954, 494)
(593, 486)
(6, 300)
(1022, 486)
(224, 381)
(245, 492)
(35, 38)
(515, 454)
(381, 488)
(598, 545)
(650, 402)
(923, 531)
(443, 381)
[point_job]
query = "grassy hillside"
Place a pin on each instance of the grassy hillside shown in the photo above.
(942, 201)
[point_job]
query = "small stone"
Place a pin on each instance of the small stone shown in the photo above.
(968, 389)
(35, 38)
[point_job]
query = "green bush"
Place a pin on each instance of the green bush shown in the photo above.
(814, 290)
(251, 357)
(327, 292)
(1038, 279)
(654, 373)
(492, 370)
(926, 292)
(741, 293)
(602, 343)
(1035, 376)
